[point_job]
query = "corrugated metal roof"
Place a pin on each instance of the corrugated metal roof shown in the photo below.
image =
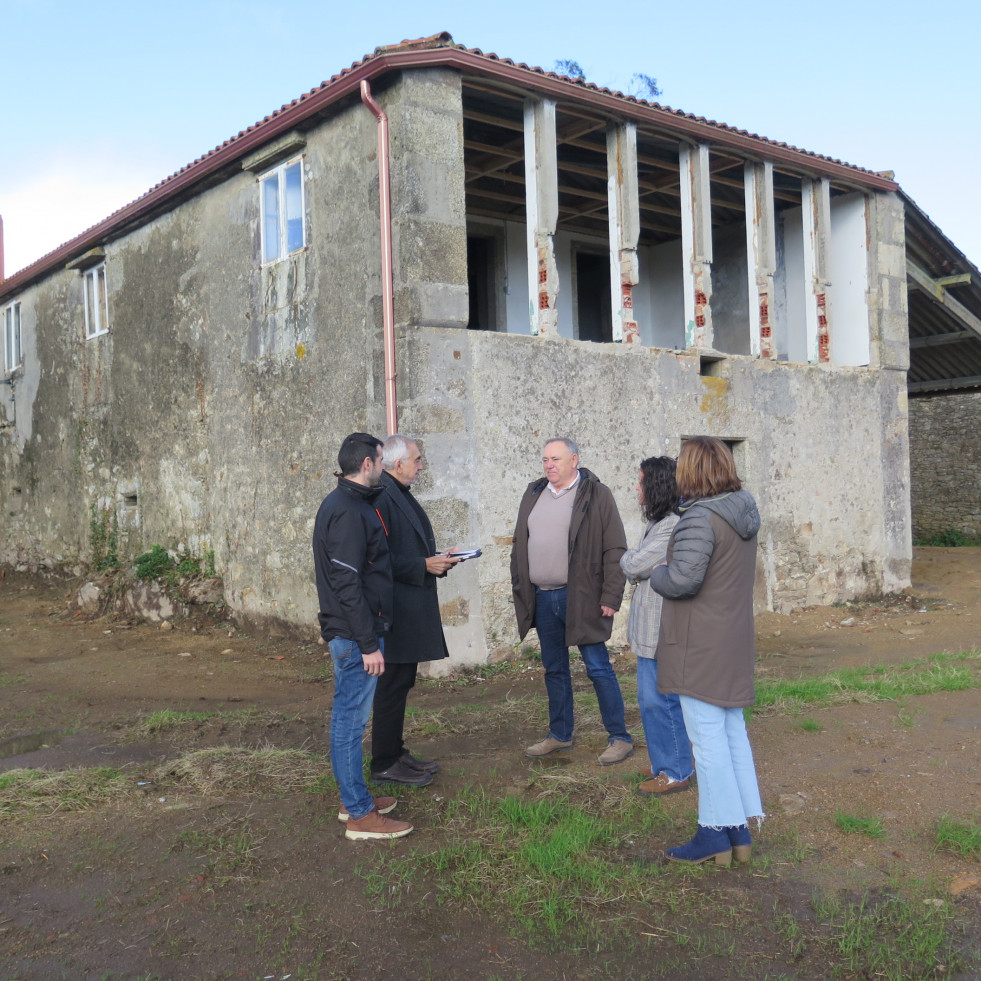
(945, 337)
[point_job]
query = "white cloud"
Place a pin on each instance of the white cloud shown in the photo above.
(45, 210)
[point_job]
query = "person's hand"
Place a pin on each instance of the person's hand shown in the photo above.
(607, 611)
(436, 565)
(374, 663)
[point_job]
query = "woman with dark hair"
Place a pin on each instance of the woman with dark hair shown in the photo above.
(664, 726)
(706, 646)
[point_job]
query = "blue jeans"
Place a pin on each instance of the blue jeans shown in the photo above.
(550, 607)
(354, 690)
(728, 793)
(664, 725)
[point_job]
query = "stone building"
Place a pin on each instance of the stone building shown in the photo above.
(553, 259)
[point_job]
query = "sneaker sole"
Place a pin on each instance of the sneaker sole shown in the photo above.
(367, 835)
(662, 793)
(539, 756)
(404, 783)
(343, 815)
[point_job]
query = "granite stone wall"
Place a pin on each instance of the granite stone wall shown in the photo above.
(945, 464)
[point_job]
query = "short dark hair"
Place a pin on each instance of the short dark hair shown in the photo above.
(354, 450)
(706, 468)
(658, 487)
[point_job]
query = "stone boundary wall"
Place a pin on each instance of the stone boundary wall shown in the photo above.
(945, 463)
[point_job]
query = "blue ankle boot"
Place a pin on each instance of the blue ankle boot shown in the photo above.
(741, 841)
(706, 844)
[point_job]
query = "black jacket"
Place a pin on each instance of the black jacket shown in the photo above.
(417, 631)
(353, 566)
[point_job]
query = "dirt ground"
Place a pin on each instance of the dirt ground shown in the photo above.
(120, 890)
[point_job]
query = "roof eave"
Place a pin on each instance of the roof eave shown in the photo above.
(156, 200)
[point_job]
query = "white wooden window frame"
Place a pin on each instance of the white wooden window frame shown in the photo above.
(13, 353)
(96, 301)
(275, 245)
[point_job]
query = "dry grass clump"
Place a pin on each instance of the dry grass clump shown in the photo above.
(28, 793)
(231, 769)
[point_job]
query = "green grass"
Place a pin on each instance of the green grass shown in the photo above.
(853, 824)
(890, 936)
(948, 538)
(810, 725)
(963, 837)
(544, 865)
(924, 676)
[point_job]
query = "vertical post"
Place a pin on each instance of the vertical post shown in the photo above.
(696, 243)
(816, 207)
(542, 207)
(761, 256)
(624, 210)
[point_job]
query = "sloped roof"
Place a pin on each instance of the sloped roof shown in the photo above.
(438, 50)
(944, 309)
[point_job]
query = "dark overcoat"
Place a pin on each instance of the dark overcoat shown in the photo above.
(596, 542)
(417, 630)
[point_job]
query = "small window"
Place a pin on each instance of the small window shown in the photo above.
(12, 354)
(281, 195)
(96, 303)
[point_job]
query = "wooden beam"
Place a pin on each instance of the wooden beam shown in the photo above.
(933, 289)
(937, 340)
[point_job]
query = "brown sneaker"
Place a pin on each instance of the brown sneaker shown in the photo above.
(383, 805)
(662, 784)
(547, 746)
(616, 752)
(375, 825)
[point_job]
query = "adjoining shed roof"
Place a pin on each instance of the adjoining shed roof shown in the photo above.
(944, 309)
(437, 51)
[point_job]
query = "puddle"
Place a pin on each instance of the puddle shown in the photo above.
(18, 745)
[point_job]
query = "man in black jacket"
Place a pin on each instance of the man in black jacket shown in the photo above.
(354, 585)
(417, 631)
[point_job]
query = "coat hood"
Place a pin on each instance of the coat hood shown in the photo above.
(737, 509)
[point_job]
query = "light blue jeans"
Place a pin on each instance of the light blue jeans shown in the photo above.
(354, 691)
(728, 794)
(664, 725)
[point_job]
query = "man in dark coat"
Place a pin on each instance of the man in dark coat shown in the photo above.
(354, 586)
(417, 631)
(567, 584)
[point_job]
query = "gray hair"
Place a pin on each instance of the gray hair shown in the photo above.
(570, 445)
(396, 447)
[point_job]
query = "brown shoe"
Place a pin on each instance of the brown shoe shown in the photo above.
(383, 805)
(618, 751)
(547, 746)
(375, 825)
(662, 784)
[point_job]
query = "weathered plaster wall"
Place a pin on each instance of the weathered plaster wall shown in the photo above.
(945, 463)
(210, 416)
(822, 540)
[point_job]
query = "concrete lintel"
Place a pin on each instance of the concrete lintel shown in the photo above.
(542, 209)
(624, 212)
(272, 153)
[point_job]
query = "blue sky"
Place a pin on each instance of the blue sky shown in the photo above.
(101, 100)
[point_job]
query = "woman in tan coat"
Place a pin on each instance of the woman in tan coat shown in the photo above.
(706, 646)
